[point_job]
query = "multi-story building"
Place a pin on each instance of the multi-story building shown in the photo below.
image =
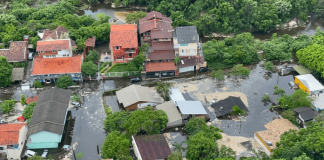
(123, 42)
(54, 48)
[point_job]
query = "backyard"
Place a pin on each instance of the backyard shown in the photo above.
(122, 67)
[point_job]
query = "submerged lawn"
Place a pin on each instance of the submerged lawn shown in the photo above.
(119, 68)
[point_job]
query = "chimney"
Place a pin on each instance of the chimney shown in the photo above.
(154, 23)
(26, 38)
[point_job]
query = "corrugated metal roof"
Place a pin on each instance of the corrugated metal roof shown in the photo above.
(310, 82)
(191, 107)
(302, 70)
(171, 110)
(176, 95)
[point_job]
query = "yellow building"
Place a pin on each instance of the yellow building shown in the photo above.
(308, 83)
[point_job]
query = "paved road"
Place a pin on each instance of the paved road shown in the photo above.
(28, 70)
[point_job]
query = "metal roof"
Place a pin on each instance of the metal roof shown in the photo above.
(171, 110)
(319, 102)
(191, 107)
(302, 70)
(310, 82)
(176, 95)
(186, 34)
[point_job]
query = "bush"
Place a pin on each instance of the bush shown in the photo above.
(290, 115)
(38, 84)
(79, 155)
(93, 56)
(115, 143)
(237, 110)
(266, 98)
(23, 99)
(195, 125)
(88, 68)
(7, 105)
(29, 109)
(76, 98)
(268, 66)
(239, 70)
(64, 82)
(116, 120)
(279, 91)
(218, 75)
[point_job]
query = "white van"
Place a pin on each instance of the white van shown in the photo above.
(30, 153)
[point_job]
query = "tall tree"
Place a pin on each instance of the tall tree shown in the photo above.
(5, 72)
(115, 143)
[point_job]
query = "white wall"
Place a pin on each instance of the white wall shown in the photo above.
(190, 50)
(136, 151)
(15, 153)
(264, 148)
(143, 105)
(62, 52)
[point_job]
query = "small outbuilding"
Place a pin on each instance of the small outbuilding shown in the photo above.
(309, 84)
(172, 112)
(191, 109)
(304, 114)
(17, 74)
(176, 95)
(225, 106)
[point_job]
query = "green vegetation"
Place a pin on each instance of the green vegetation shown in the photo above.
(76, 98)
(102, 66)
(7, 106)
(268, 66)
(29, 109)
(218, 75)
(116, 121)
(135, 17)
(115, 143)
(175, 156)
(5, 72)
(238, 70)
(79, 155)
(20, 64)
(38, 84)
(279, 91)
(88, 69)
(35, 158)
(64, 82)
(107, 109)
(144, 49)
(119, 67)
(163, 89)
(266, 98)
(195, 125)
(93, 56)
(298, 99)
(136, 63)
(23, 99)
(238, 111)
(290, 115)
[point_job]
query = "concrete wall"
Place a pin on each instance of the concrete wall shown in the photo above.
(43, 140)
(136, 151)
(190, 50)
(64, 52)
(14, 153)
(263, 145)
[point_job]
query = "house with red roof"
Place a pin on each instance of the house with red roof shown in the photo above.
(54, 48)
(12, 139)
(123, 42)
(17, 51)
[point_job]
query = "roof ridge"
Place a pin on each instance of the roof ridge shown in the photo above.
(137, 95)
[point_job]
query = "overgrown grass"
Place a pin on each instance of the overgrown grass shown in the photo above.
(107, 109)
(119, 68)
(152, 84)
(217, 65)
(111, 92)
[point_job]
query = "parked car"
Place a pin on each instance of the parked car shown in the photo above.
(45, 153)
(30, 55)
(134, 80)
(66, 147)
(203, 69)
(75, 103)
(48, 81)
(30, 153)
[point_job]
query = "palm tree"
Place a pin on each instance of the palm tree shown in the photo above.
(163, 89)
(178, 147)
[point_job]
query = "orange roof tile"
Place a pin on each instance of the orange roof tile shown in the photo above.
(57, 65)
(32, 99)
(90, 42)
(58, 33)
(10, 133)
(53, 45)
(160, 66)
(16, 52)
(124, 35)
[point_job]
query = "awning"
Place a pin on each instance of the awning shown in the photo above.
(302, 70)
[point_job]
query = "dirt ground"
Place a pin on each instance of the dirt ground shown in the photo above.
(234, 142)
(122, 15)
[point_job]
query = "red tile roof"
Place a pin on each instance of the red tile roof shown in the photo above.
(154, 14)
(10, 133)
(32, 99)
(160, 66)
(152, 146)
(161, 34)
(90, 42)
(16, 52)
(190, 61)
(53, 45)
(60, 65)
(161, 55)
(124, 35)
(162, 46)
(154, 24)
(58, 33)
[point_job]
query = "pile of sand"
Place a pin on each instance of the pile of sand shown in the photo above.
(122, 15)
(234, 142)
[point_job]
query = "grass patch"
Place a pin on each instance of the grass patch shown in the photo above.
(217, 65)
(119, 68)
(111, 92)
(107, 109)
(152, 84)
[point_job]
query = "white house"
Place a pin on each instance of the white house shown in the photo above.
(55, 48)
(186, 41)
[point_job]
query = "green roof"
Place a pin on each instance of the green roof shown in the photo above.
(302, 70)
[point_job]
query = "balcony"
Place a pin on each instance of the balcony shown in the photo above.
(130, 51)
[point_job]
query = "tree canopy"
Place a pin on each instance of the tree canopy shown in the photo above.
(64, 82)
(29, 109)
(115, 145)
(89, 68)
(134, 17)
(7, 105)
(5, 72)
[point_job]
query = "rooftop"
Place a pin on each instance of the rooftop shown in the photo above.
(10, 133)
(32, 99)
(310, 82)
(171, 110)
(16, 52)
(190, 61)
(58, 33)
(124, 35)
(160, 66)
(186, 34)
(152, 146)
(225, 106)
(161, 33)
(190, 107)
(90, 42)
(50, 111)
(162, 46)
(136, 93)
(176, 95)
(161, 55)
(60, 65)
(50, 45)
(303, 70)
(275, 129)
(155, 20)
(306, 113)
(17, 74)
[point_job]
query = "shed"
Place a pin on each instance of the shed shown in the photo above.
(17, 74)
(191, 107)
(304, 114)
(176, 95)
(172, 112)
(225, 106)
(309, 84)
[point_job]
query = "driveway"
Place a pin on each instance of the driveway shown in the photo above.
(28, 70)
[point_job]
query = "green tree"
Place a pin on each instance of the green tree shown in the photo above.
(88, 68)
(38, 84)
(29, 109)
(115, 143)
(116, 121)
(163, 89)
(23, 99)
(218, 75)
(176, 60)
(137, 61)
(290, 115)
(7, 106)
(195, 125)
(237, 110)
(93, 56)
(76, 98)
(298, 99)
(35, 158)
(135, 17)
(64, 82)
(175, 156)
(148, 120)
(5, 72)
(144, 48)
(279, 91)
(79, 155)
(239, 70)
(268, 66)
(266, 98)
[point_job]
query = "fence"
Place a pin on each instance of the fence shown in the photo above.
(121, 74)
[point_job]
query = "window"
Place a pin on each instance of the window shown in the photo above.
(64, 55)
(1, 148)
(53, 51)
(47, 56)
(184, 44)
(117, 48)
(130, 55)
(147, 33)
(164, 39)
(182, 50)
(42, 52)
(155, 40)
